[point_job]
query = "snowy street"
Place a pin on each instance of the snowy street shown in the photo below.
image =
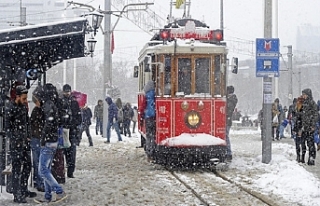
(119, 174)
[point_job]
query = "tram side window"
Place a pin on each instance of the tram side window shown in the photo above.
(202, 75)
(184, 75)
(167, 76)
(217, 75)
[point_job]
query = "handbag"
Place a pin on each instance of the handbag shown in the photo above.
(275, 119)
(65, 135)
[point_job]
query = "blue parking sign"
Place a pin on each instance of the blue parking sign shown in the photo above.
(267, 57)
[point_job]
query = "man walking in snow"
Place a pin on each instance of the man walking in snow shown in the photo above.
(309, 120)
(232, 101)
(112, 119)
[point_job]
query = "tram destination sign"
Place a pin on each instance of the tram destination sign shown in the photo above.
(267, 57)
(190, 31)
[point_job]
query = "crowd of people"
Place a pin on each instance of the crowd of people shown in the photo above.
(304, 120)
(38, 134)
(46, 141)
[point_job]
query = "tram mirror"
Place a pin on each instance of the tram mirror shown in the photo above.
(135, 71)
(147, 64)
(235, 65)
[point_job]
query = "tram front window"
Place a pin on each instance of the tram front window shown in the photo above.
(184, 76)
(202, 75)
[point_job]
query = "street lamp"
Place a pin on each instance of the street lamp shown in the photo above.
(91, 45)
(95, 18)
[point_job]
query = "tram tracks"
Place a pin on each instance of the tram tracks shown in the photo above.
(214, 188)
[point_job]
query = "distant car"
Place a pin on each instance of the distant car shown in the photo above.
(246, 121)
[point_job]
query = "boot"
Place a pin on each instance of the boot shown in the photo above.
(298, 159)
(302, 159)
(311, 161)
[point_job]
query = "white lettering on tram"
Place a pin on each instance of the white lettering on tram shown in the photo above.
(162, 109)
(223, 109)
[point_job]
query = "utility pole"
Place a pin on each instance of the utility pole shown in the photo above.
(267, 91)
(23, 11)
(107, 62)
(290, 96)
(276, 79)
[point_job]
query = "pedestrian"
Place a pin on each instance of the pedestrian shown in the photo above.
(112, 119)
(292, 117)
(36, 121)
(134, 118)
(275, 119)
(261, 120)
(49, 144)
(232, 101)
(70, 116)
(309, 120)
(120, 115)
(86, 115)
(127, 116)
(149, 117)
(17, 126)
(283, 122)
(98, 116)
(297, 131)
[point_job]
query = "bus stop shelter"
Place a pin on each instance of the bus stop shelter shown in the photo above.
(37, 47)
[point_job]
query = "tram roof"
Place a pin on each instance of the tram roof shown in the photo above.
(183, 47)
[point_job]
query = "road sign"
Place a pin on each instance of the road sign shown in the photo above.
(267, 57)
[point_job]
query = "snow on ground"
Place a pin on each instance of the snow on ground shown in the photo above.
(119, 174)
(283, 176)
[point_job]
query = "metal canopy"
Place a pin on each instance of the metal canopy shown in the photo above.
(42, 46)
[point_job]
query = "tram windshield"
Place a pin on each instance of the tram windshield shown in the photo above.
(202, 68)
(184, 76)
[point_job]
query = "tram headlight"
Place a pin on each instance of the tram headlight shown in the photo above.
(193, 119)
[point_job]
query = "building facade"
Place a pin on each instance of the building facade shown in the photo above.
(28, 12)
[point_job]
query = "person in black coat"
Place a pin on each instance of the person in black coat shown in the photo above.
(36, 121)
(17, 126)
(70, 117)
(232, 101)
(309, 120)
(86, 122)
(49, 143)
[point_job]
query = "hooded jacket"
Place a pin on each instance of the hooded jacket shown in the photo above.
(309, 112)
(51, 115)
(98, 111)
(149, 112)
(112, 111)
(17, 126)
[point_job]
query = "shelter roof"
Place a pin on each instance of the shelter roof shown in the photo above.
(43, 45)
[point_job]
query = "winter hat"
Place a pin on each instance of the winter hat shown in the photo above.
(307, 92)
(38, 92)
(66, 88)
(230, 89)
(21, 89)
(50, 91)
(108, 100)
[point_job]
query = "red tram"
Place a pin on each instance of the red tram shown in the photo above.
(187, 63)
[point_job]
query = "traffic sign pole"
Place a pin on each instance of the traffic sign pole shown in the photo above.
(267, 92)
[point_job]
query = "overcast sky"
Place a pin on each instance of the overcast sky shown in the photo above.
(243, 23)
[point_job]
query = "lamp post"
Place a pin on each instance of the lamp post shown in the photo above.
(91, 45)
